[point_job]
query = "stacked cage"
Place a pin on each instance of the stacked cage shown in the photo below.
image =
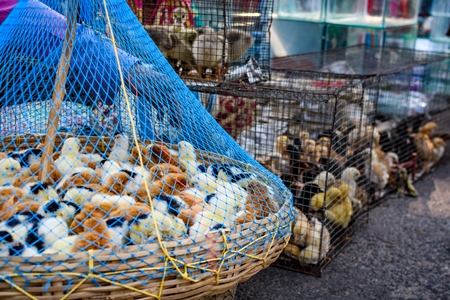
(315, 132)
(114, 181)
(211, 40)
(412, 89)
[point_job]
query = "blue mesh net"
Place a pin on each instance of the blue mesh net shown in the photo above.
(111, 167)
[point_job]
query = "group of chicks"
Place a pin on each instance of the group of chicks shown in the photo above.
(98, 201)
(325, 186)
(199, 51)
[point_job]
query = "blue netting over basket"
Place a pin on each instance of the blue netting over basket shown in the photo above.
(113, 174)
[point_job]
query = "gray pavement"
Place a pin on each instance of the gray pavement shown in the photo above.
(402, 253)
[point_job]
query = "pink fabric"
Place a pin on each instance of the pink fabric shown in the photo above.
(6, 7)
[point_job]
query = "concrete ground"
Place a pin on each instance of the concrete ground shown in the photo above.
(402, 253)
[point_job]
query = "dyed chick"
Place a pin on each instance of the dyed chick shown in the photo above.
(39, 191)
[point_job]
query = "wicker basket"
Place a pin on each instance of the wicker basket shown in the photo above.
(90, 275)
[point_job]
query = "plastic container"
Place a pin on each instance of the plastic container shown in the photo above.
(372, 13)
(303, 10)
(440, 29)
(441, 8)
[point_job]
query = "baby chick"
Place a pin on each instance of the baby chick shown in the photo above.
(339, 209)
(318, 243)
(70, 157)
(118, 228)
(119, 152)
(350, 176)
(210, 50)
(299, 230)
(207, 221)
(39, 191)
(78, 195)
(188, 158)
(9, 171)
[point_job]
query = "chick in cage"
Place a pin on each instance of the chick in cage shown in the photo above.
(198, 51)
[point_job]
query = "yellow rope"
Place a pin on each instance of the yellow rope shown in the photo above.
(228, 254)
(133, 129)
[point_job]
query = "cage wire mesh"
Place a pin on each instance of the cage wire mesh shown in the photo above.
(113, 174)
(211, 40)
(313, 131)
(412, 88)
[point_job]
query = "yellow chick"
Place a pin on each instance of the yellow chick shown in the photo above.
(317, 201)
(291, 251)
(332, 196)
(300, 229)
(339, 210)
(318, 243)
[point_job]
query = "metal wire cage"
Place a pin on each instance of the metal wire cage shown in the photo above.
(92, 169)
(210, 40)
(412, 89)
(314, 131)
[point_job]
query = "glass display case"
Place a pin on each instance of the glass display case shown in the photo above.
(344, 36)
(372, 13)
(440, 21)
(302, 10)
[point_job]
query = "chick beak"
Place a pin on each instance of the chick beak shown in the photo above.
(178, 22)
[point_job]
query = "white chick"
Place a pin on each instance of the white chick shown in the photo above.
(52, 229)
(195, 193)
(324, 180)
(63, 245)
(40, 192)
(119, 152)
(188, 158)
(9, 171)
(234, 191)
(66, 210)
(137, 176)
(171, 206)
(207, 221)
(118, 230)
(70, 156)
(142, 227)
(349, 177)
(13, 231)
(79, 195)
(204, 182)
(109, 168)
(117, 200)
(224, 206)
